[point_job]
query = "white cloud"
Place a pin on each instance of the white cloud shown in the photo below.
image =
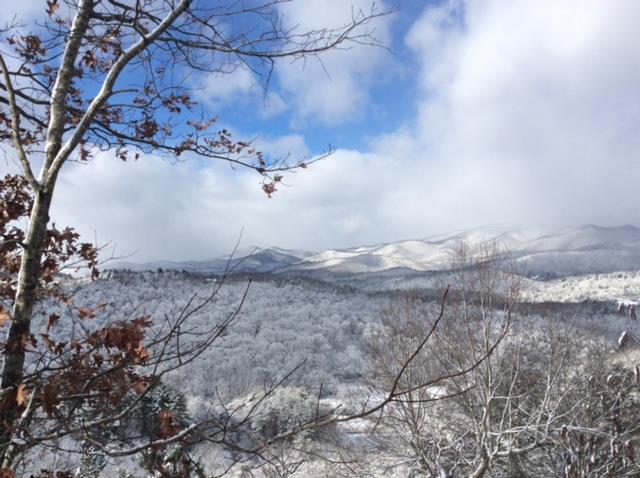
(535, 103)
(333, 87)
(290, 146)
(273, 105)
(228, 85)
(529, 114)
(242, 86)
(195, 210)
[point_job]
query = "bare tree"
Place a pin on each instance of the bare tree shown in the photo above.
(406, 429)
(548, 400)
(598, 432)
(470, 339)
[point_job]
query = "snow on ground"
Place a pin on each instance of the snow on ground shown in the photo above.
(612, 287)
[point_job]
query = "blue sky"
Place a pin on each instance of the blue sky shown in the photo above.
(391, 94)
(488, 113)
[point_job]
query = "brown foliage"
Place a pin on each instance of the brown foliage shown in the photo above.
(4, 316)
(22, 395)
(61, 247)
(169, 425)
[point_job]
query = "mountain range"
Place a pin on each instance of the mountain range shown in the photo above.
(542, 254)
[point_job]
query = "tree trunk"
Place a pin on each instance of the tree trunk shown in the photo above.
(26, 294)
(482, 467)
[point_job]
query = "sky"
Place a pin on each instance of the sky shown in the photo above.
(478, 113)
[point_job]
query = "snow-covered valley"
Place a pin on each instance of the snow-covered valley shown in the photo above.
(313, 320)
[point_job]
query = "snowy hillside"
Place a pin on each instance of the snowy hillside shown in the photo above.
(322, 312)
(287, 321)
(540, 255)
(251, 259)
(588, 249)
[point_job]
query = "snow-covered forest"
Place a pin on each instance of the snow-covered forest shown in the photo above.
(341, 346)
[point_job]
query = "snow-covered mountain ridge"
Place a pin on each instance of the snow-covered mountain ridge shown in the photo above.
(547, 254)
(251, 259)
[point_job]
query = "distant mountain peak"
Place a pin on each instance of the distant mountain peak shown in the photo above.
(588, 248)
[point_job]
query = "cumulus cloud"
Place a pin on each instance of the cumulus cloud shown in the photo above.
(273, 104)
(533, 104)
(528, 113)
(227, 86)
(189, 210)
(239, 87)
(329, 88)
(333, 88)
